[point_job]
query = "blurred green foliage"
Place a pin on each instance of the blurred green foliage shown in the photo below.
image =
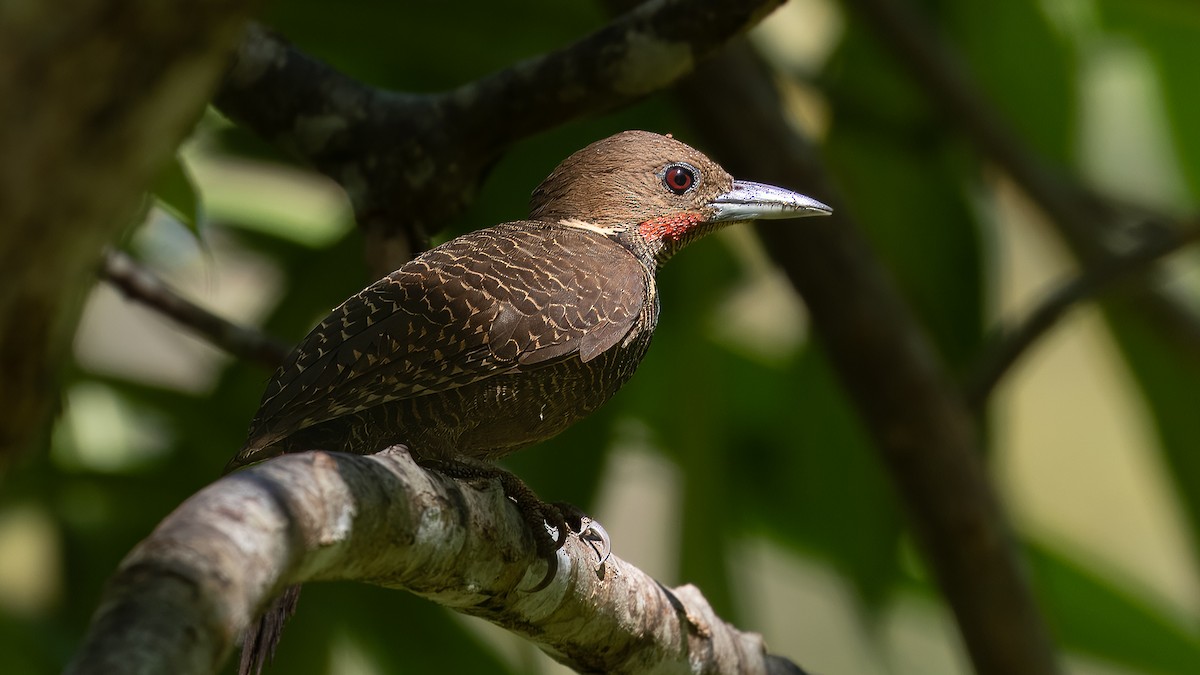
(765, 446)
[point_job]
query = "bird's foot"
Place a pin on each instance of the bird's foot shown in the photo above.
(562, 517)
(566, 519)
(589, 530)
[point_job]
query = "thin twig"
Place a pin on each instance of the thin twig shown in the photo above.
(1006, 346)
(139, 284)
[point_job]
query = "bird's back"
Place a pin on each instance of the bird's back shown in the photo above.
(493, 341)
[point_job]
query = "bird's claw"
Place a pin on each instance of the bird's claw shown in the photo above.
(596, 537)
(567, 519)
(587, 529)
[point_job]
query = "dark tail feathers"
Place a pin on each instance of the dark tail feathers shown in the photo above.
(261, 638)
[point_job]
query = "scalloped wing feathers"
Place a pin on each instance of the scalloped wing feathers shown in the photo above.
(490, 302)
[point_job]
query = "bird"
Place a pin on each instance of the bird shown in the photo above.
(505, 336)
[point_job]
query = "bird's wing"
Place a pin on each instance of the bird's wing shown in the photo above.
(487, 303)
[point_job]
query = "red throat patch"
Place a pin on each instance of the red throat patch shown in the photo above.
(671, 226)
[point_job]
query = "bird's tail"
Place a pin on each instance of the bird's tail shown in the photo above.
(258, 645)
(255, 450)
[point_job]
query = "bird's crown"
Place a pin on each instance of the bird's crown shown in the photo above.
(654, 194)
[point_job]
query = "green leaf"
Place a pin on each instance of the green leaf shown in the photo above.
(1091, 615)
(806, 468)
(905, 179)
(1167, 30)
(176, 194)
(1168, 377)
(1026, 69)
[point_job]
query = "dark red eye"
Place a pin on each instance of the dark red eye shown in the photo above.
(679, 178)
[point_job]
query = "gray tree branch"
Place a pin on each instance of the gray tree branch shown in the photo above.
(182, 596)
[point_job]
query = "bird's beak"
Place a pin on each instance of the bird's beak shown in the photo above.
(757, 201)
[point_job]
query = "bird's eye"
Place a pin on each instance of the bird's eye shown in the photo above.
(679, 178)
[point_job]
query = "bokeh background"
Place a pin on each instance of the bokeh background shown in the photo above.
(732, 460)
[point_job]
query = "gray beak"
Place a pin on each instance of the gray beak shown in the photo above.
(757, 201)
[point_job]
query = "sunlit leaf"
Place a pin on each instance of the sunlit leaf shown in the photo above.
(176, 194)
(1169, 379)
(1166, 30)
(1092, 615)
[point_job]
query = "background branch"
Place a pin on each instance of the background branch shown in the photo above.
(922, 430)
(1008, 345)
(139, 284)
(412, 162)
(1088, 222)
(92, 109)
(1156, 329)
(182, 596)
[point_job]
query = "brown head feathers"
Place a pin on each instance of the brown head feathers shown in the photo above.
(630, 178)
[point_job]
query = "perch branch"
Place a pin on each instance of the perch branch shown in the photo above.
(922, 430)
(140, 285)
(179, 600)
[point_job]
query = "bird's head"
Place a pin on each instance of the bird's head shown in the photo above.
(656, 194)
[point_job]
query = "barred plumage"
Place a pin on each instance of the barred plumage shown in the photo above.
(493, 341)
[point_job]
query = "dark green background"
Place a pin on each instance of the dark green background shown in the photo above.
(765, 447)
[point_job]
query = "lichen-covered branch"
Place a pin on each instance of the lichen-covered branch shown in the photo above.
(412, 162)
(92, 107)
(182, 596)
